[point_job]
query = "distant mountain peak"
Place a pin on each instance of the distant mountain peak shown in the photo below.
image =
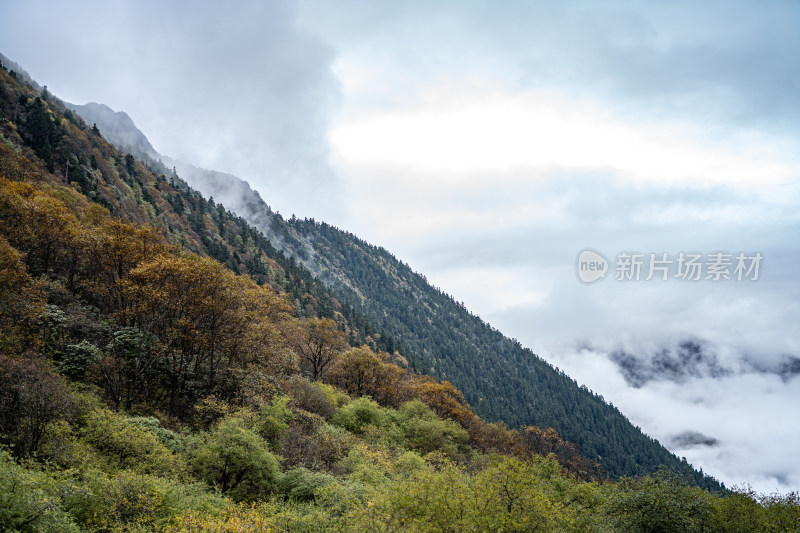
(117, 127)
(687, 359)
(233, 192)
(693, 439)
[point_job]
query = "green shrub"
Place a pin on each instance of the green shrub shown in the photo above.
(740, 512)
(425, 432)
(782, 511)
(233, 519)
(509, 495)
(128, 500)
(342, 498)
(273, 420)
(301, 484)
(318, 398)
(409, 462)
(172, 440)
(29, 500)
(368, 465)
(78, 358)
(126, 444)
(236, 460)
(659, 502)
(358, 414)
(63, 447)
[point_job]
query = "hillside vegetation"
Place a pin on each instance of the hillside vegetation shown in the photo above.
(500, 378)
(387, 304)
(164, 368)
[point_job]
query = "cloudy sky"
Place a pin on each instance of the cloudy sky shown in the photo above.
(487, 144)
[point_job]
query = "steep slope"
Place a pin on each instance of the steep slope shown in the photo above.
(501, 379)
(117, 127)
(37, 127)
(102, 278)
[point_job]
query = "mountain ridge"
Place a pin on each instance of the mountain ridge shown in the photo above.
(118, 127)
(501, 380)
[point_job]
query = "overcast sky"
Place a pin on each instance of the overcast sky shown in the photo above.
(487, 144)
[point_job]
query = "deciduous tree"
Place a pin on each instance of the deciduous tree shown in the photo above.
(319, 343)
(31, 396)
(22, 302)
(208, 322)
(357, 372)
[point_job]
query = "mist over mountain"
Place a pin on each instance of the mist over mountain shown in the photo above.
(118, 127)
(226, 189)
(690, 439)
(690, 359)
(693, 359)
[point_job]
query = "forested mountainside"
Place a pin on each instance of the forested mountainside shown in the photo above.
(146, 192)
(501, 380)
(147, 383)
(164, 368)
(379, 300)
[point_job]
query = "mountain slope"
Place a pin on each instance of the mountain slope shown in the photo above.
(37, 130)
(501, 379)
(117, 127)
(102, 277)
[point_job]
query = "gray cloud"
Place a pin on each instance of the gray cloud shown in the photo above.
(729, 62)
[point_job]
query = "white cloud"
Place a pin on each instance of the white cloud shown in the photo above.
(452, 136)
(496, 288)
(749, 414)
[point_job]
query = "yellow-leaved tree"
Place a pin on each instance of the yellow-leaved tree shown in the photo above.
(201, 322)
